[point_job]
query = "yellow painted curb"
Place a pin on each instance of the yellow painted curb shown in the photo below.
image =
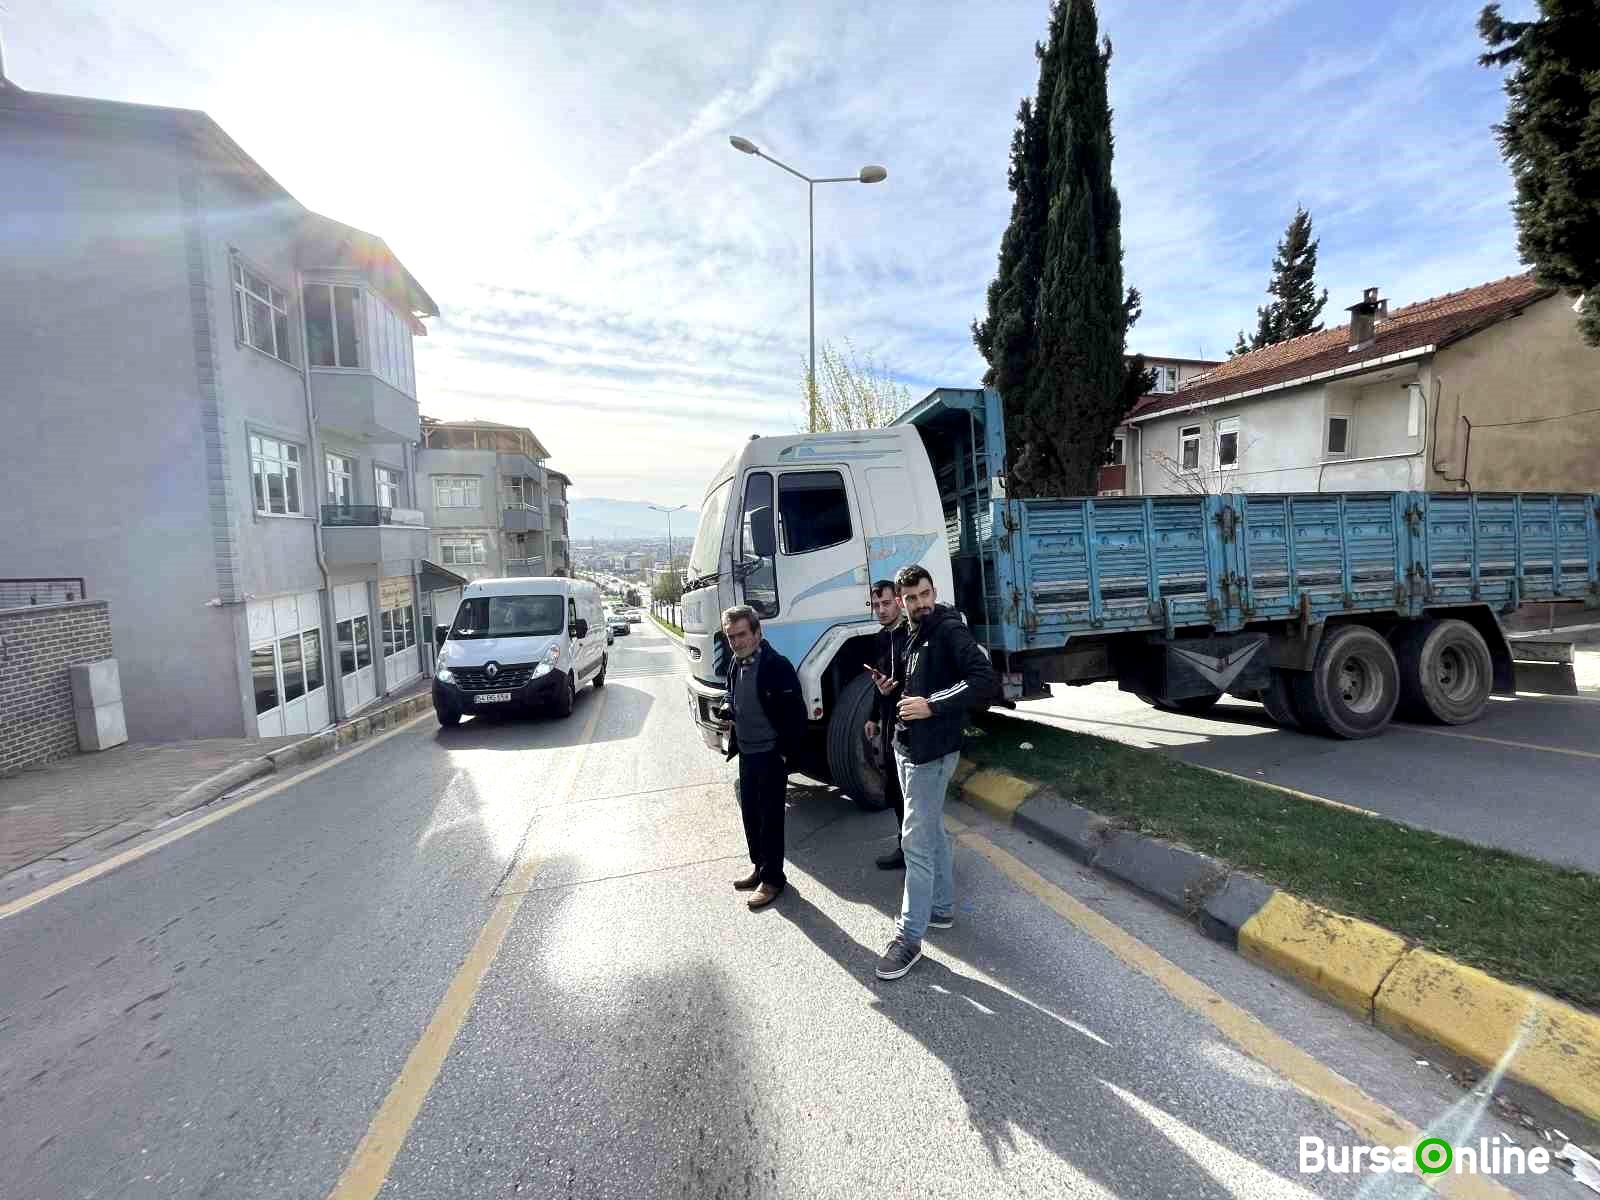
(1480, 1017)
(1341, 957)
(996, 792)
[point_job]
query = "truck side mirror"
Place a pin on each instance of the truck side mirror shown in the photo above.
(763, 538)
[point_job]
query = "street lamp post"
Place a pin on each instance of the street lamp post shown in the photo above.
(669, 512)
(868, 174)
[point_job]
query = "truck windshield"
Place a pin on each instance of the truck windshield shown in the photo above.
(707, 550)
(509, 616)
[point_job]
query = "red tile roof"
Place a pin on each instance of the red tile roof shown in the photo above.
(1432, 322)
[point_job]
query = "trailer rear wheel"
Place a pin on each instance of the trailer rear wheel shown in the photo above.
(1278, 700)
(1446, 673)
(1352, 689)
(850, 761)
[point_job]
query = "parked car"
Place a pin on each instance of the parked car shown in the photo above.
(617, 624)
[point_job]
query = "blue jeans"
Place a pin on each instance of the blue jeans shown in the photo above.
(930, 879)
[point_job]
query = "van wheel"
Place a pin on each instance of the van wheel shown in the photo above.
(1446, 673)
(1352, 689)
(565, 696)
(849, 759)
(600, 679)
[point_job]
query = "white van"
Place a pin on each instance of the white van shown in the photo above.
(519, 644)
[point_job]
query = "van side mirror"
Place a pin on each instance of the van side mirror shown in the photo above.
(763, 538)
(580, 628)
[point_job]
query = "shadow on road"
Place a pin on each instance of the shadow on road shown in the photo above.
(626, 710)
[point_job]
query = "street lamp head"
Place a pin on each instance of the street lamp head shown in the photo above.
(873, 174)
(744, 144)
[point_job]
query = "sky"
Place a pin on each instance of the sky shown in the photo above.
(612, 274)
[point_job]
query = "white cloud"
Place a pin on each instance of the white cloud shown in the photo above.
(613, 274)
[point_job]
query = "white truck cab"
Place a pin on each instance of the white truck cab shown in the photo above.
(798, 528)
(520, 643)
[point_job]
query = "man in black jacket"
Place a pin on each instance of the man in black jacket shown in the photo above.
(769, 722)
(891, 643)
(947, 675)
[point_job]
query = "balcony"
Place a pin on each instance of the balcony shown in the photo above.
(360, 405)
(364, 535)
(522, 518)
(520, 465)
(524, 566)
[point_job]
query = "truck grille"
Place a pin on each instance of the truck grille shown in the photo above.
(472, 679)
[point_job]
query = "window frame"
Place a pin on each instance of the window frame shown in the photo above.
(1165, 374)
(331, 476)
(1220, 429)
(1349, 420)
(782, 525)
(255, 446)
(1187, 434)
(1119, 450)
(478, 550)
(398, 483)
(763, 609)
(282, 336)
(363, 352)
(470, 484)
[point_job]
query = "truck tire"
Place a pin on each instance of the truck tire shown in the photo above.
(1278, 700)
(1189, 704)
(853, 771)
(1446, 673)
(1354, 686)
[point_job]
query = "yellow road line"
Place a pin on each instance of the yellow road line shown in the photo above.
(23, 903)
(1378, 1124)
(369, 1167)
(1478, 737)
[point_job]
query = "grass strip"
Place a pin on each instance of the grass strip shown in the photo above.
(666, 624)
(1517, 918)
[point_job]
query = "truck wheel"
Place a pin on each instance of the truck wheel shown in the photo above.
(1352, 689)
(1278, 700)
(849, 761)
(1446, 673)
(1189, 704)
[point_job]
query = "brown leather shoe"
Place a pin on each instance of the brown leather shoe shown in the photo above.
(765, 895)
(748, 882)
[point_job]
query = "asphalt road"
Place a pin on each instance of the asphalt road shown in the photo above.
(266, 1006)
(1524, 777)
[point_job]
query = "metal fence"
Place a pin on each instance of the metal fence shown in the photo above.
(670, 613)
(23, 593)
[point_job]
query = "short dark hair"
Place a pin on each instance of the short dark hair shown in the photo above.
(882, 585)
(909, 577)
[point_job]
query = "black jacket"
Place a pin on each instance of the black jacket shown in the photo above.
(946, 667)
(779, 689)
(891, 651)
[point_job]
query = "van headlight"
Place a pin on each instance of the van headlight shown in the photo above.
(551, 657)
(445, 675)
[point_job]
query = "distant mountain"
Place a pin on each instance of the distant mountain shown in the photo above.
(602, 518)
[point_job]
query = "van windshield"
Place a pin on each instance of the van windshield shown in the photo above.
(509, 616)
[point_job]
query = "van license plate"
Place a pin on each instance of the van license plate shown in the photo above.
(491, 697)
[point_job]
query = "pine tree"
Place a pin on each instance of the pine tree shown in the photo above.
(1058, 315)
(1295, 305)
(1551, 141)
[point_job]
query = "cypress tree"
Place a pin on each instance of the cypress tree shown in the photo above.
(1058, 317)
(1551, 141)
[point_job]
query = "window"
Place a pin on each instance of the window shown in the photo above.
(311, 644)
(1189, 448)
(760, 575)
(462, 551)
(333, 325)
(455, 491)
(341, 480)
(1228, 444)
(1338, 435)
(275, 475)
(1166, 379)
(389, 483)
(1118, 451)
(289, 657)
(813, 511)
(363, 644)
(264, 674)
(389, 335)
(261, 314)
(387, 621)
(347, 647)
(508, 616)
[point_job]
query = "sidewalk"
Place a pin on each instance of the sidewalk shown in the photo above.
(46, 810)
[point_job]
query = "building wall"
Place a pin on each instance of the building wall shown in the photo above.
(1533, 365)
(105, 454)
(37, 646)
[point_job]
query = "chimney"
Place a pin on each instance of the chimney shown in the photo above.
(1364, 318)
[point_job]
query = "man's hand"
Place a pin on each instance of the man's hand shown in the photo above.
(884, 683)
(915, 708)
(872, 731)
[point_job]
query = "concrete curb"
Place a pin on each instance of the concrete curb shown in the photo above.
(1415, 994)
(657, 622)
(316, 746)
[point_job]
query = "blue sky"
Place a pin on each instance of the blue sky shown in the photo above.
(614, 275)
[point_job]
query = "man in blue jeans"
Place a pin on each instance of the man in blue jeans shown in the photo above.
(947, 675)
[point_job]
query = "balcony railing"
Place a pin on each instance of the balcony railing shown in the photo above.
(24, 593)
(364, 515)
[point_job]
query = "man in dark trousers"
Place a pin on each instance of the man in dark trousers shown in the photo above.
(769, 722)
(947, 675)
(888, 674)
